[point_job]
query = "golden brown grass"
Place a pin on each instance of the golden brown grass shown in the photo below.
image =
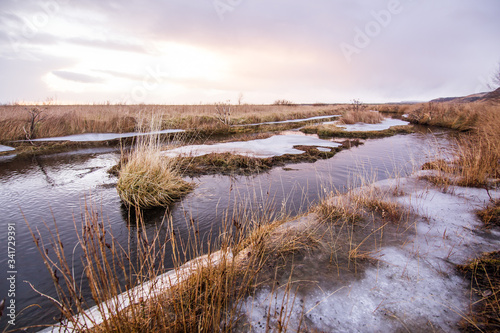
(490, 215)
(476, 153)
(146, 178)
(392, 108)
(367, 117)
(208, 298)
(354, 207)
(457, 116)
(61, 120)
(484, 276)
(150, 180)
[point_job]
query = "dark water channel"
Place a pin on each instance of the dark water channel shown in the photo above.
(55, 187)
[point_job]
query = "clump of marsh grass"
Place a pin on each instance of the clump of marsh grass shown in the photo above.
(354, 221)
(147, 179)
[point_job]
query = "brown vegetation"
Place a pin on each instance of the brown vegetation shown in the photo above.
(367, 117)
(475, 158)
(484, 276)
(61, 120)
(331, 130)
(490, 215)
(228, 163)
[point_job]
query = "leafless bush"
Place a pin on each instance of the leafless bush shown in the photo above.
(34, 119)
(357, 105)
(284, 102)
(223, 112)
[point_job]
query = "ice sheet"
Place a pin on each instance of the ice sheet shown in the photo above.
(362, 127)
(6, 148)
(274, 146)
(385, 124)
(413, 287)
(289, 121)
(104, 136)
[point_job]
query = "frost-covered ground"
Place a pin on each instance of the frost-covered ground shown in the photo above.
(288, 121)
(274, 146)
(91, 137)
(411, 286)
(362, 127)
(5, 148)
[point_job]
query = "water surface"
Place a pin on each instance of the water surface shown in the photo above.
(42, 189)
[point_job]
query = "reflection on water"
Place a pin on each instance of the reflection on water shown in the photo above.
(56, 187)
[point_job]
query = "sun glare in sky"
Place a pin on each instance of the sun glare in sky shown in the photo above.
(179, 52)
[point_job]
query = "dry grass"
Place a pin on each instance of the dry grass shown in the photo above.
(475, 158)
(354, 208)
(367, 117)
(491, 214)
(228, 163)
(392, 108)
(359, 222)
(61, 120)
(461, 117)
(150, 180)
(146, 178)
(484, 276)
(206, 299)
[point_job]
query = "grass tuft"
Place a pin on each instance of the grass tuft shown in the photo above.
(484, 274)
(491, 214)
(149, 180)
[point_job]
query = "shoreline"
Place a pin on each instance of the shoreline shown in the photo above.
(442, 231)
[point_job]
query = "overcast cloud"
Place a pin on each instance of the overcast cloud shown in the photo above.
(182, 52)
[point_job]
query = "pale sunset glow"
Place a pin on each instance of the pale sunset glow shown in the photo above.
(201, 52)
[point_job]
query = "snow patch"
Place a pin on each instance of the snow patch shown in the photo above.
(93, 137)
(288, 121)
(6, 148)
(274, 146)
(412, 287)
(362, 127)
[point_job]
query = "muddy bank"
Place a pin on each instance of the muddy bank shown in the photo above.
(229, 163)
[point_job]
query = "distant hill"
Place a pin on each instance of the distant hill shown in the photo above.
(493, 96)
(463, 99)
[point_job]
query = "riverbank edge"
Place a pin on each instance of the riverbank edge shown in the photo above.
(405, 187)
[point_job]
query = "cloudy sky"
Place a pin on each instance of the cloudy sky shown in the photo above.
(205, 51)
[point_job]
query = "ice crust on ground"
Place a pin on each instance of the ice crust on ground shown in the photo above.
(412, 287)
(274, 146)
(288, 121)
(6, 148)
(362, 127)
(91, 137)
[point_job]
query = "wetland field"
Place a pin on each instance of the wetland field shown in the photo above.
(252, 218)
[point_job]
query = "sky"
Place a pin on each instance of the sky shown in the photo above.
(245, 51)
